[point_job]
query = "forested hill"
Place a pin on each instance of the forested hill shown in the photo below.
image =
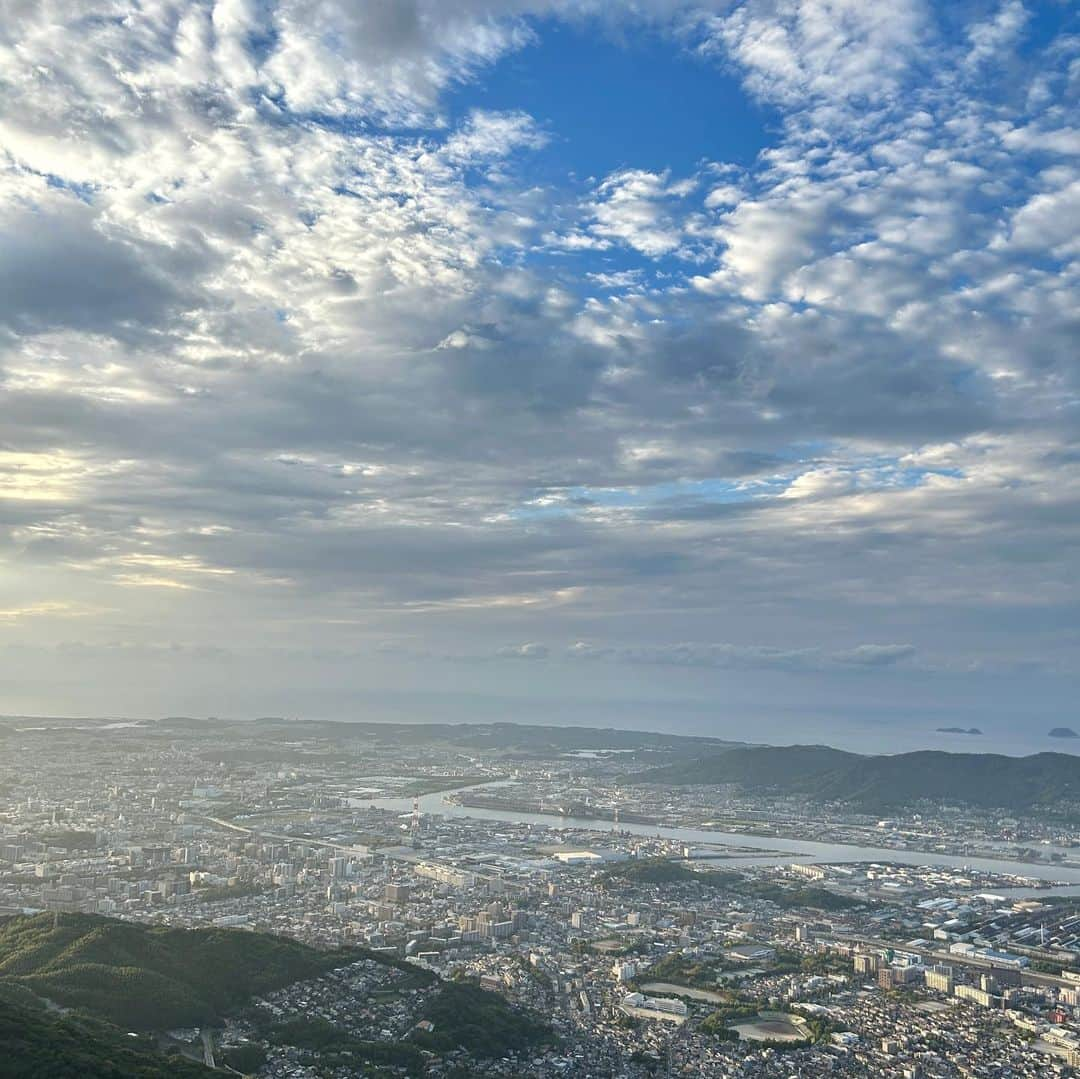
(878, 783)
(117, 978)
(38, 1043)
(152, 978)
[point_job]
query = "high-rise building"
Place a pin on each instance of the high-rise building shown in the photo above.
(940, 978)
(866, 963)
(975, 994)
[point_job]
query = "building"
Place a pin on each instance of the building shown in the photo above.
(461, 879)
(941, 979)
(892, 976)
(1003, 959)
(906, 959)
(578, 857)
(866, 963)
(975, 994)
(666, 1006)
(750, 953)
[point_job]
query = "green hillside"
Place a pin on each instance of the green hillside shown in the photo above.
(878, 783)
(120, 977)
(152, 978)
(39, 1044)
(464, 1016)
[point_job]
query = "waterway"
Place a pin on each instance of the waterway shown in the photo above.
(785, 851)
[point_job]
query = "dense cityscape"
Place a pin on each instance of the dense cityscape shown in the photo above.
(539, 539)
(497, 941)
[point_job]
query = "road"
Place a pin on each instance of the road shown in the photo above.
(311, 841)
(208, 1047)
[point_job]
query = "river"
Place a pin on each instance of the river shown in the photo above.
(788, 850)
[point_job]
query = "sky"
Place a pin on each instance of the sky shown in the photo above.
(710, 367)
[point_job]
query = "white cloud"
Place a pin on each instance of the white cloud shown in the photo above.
(633, 207)
(1049, 221)
(280, 335)
(876, 655)
(989, 38)
(490, 135)
(1061, 140)
(724, 195)
(833, 49)
(820, 483)
(725, 656)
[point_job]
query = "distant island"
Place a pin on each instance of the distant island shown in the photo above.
(958, 730)
(1063, 732)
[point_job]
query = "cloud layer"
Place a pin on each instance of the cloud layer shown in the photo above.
(295, 354)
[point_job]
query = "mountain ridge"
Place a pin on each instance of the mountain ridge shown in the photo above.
(885, 781)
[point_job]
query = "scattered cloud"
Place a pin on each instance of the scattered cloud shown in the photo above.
(296, 341)
(876, 655)
(634, 207)
(746, 657)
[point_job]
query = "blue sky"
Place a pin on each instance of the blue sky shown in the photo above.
(615, 101)
(705, 364)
